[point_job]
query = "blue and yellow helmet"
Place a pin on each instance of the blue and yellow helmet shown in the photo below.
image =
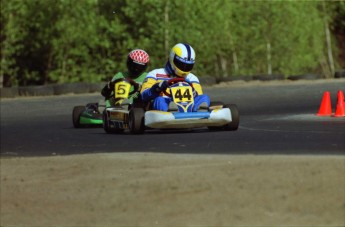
(182, 59)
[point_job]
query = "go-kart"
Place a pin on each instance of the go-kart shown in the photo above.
(116, 117)
(93, 114)
(87, 116)
(180, 115)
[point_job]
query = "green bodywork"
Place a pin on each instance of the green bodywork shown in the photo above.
(88, 119)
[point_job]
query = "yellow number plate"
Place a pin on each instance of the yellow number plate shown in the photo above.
(122, 90)
(182, 94)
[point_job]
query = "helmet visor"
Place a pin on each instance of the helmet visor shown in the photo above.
(183, 64)
(135, 68)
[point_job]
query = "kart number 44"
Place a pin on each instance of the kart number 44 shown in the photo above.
(182, 94)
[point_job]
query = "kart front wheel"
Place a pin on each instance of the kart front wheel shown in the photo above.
(136, 121)
(77, 111)
(233, 125)
(106, 126)
(216, 103)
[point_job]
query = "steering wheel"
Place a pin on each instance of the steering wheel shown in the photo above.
(175, 81)
(131, 82)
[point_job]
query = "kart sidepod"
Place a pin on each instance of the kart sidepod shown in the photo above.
(161, 119)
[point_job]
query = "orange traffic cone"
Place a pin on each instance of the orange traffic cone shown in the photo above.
(340, 110)
(326, 106)
(341, 96)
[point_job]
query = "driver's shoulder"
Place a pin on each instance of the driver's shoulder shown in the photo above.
(155, 72)
(119, 75)
(192, 78)
(140, 79)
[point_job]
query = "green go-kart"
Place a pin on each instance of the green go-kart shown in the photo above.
(94, 114)
(116, 117)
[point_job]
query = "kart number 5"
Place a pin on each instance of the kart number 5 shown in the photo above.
(122, 89)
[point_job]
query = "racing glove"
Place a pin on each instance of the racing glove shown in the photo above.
(159, 87)
(107, 89)
(111, 85)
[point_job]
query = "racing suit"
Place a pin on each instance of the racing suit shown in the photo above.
(108, 90)
(161, 101)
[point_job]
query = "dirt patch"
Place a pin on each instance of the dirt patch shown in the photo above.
(148, 189)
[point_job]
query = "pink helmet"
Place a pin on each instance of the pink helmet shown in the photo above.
(137, 62)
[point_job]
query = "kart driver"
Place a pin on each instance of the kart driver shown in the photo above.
(180, 64)
(137, 62)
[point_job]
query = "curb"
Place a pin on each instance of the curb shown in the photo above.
(234, 78)
(339, 74)
(266, 77)
(96, 87)
(305, 77)
(84, 87)
(9, 92)
(42, 90)
(51, 89)
(74, 88)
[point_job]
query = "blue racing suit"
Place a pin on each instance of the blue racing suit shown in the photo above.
(161, 101)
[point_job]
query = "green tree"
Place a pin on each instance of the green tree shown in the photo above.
(59, 41)
(12, 23)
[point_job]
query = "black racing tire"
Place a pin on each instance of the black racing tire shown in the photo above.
(233, 125)
(77, 111)
(136, 120)
(105, 122)
(106, 127)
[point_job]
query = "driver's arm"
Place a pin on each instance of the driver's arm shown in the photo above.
(195, 82)
(198, 88)
(107, 90)
(109, 87)
(147, 93)
(148, 83)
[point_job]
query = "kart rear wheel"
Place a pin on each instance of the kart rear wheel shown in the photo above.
(136, 121)
(77, 111)
(106, 126)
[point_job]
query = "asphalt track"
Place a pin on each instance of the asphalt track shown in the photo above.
(274, 119)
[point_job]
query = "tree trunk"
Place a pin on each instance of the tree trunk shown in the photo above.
(166, 27)
(48, 68)
(269, 62)
(223, 64)
(329, 50)
(328, 42)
